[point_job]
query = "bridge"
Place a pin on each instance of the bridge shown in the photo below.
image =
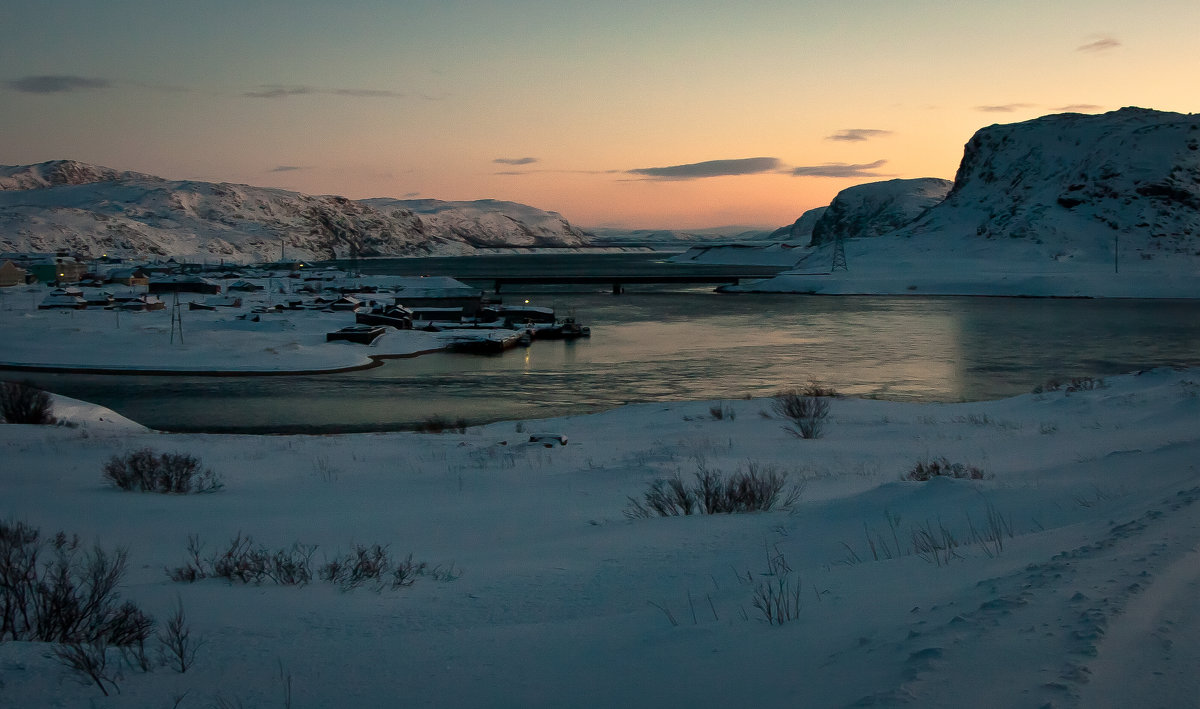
(617, 281)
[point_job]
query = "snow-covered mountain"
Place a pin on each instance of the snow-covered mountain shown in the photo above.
(1063, 205)
(90, 210)
(800, 231)
(877, 208)
(668, 238)
(1070, 185)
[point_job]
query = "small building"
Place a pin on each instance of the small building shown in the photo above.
(138, 302)
(439, 292)
(98, 299)
(245, 286)
(59, 299)
(130, 276)
(63, 269)
(12, 275)
(183, 283)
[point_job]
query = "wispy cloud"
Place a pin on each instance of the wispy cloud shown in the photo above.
(285, 90)
(287, 168)
(1100, 44)
(515, 161)
(57, 84)
(560, 172)
(1004, 107)
(1079, 108)
(709, 168)
(840, 169)
(853, 135)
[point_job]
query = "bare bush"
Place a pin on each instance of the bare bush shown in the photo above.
(70, 597)
(179, 647)
(244, 562)
(779, 602)
(21, 402)
(748, 489)
(925, 470)
(807, 412)
(937, 546)
(365, 563)
(433, 424)
(171, 473)
(90, 661)
(666, 497)
(1072, 385)
(720, 412)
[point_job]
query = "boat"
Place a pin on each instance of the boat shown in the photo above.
(483, 341)
(568, 329)
(361, 334)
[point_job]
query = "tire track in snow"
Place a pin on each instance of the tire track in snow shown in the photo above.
(1038, 637)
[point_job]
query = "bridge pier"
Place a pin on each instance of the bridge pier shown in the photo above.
(618, 289)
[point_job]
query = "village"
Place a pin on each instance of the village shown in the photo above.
(287, 310)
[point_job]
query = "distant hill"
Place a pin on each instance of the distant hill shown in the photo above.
(1064, 205)
(1069, 184)
(90, 210)
(877, 208)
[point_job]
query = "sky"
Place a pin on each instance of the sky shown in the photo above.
(672, 114)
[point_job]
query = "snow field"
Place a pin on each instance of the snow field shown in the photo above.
(560, 599)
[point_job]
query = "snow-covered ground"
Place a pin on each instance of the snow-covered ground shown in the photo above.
(556, 598)
(222, 340)
(929, 264)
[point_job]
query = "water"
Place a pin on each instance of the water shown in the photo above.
(657, 346)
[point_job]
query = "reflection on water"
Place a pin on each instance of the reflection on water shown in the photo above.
(698, 345)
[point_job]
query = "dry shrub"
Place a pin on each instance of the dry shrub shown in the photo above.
(807, 412)
(21, 402)
(53, 590)
(748, 489)
(941, 467)
(176, 473)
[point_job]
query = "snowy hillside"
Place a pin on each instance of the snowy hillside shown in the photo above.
(799, 232)
(1071, 183)
(91, 210)
(488, 222)
(877, 208)
(1064, 205)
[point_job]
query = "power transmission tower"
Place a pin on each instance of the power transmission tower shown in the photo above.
(839, 256)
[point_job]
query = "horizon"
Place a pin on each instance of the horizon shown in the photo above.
(677, 116)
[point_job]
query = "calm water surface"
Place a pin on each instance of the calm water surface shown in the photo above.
(655, 346)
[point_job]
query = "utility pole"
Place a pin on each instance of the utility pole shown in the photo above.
(176, 320)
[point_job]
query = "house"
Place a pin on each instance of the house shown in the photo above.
(60, 269)
(59, 299)
(139, 302)
(183, 283)
(439, 292)
(395, 316)
(98, 299)
(129, 276)
(12, 275)
(245, 286)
